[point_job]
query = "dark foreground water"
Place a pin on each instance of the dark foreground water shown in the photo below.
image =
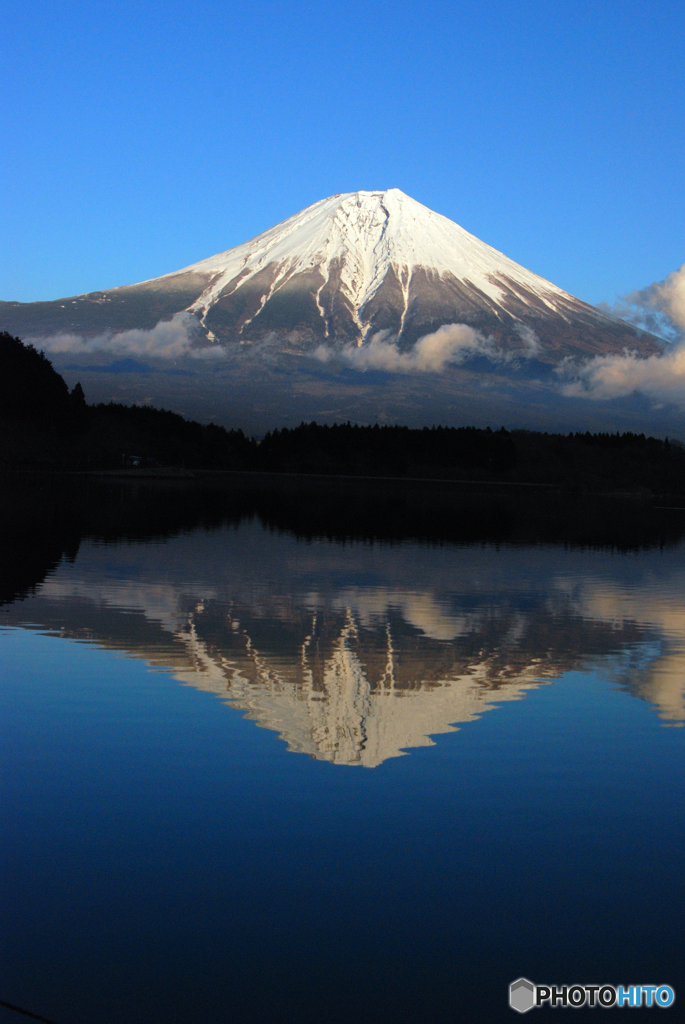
(256, 772)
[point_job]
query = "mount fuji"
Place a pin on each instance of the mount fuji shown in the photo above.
(337, 275)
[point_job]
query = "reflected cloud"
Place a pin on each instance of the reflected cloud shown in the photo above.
(661, 608)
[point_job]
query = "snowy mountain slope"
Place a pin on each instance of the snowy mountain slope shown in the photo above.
(356, 240)
(337, 273)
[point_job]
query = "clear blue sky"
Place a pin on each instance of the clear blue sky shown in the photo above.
(138, 138)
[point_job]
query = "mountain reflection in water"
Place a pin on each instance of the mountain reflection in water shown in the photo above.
(355, 653)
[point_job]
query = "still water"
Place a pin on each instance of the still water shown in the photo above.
(251, 775)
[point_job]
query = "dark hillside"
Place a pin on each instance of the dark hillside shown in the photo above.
(30, 388)
(44, 426)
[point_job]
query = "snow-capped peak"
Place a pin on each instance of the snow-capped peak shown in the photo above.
(360, 236)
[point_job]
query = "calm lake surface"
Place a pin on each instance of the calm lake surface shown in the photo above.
(257, 773)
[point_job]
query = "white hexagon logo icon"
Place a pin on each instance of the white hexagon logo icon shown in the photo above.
(522, 995)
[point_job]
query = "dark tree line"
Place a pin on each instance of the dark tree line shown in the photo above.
(387, 451)
(626, 461)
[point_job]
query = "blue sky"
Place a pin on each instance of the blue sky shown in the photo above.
(138, 138)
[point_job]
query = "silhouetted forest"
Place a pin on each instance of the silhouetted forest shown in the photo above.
(44, 426)
(601, 462)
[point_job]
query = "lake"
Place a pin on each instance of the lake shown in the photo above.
(321, 752)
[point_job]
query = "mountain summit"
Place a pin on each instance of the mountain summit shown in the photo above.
(338, 273)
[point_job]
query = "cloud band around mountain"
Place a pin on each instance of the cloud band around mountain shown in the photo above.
(169, 339)
(450, 344)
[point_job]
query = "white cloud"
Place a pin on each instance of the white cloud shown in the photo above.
(531, 343)
(450, 344)
(169, 339)
(669, 297)
(659, 307)
(659, 377)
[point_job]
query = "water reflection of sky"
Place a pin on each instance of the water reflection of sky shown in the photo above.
(355, 654)
(166, 860)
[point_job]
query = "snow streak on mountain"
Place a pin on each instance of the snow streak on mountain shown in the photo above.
(337, 274)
